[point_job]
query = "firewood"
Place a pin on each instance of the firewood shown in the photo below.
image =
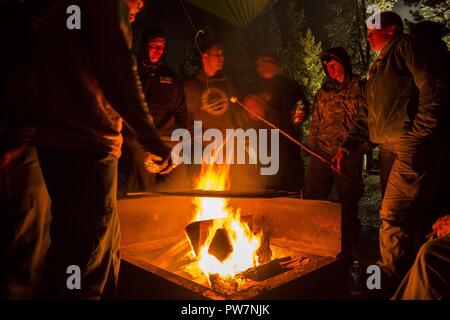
(267, 270)
(227, 285)
(220, 246)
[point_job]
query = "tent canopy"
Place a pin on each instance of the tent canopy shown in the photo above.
(238, 12)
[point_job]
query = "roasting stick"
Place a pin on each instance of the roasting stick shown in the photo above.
(306, 148)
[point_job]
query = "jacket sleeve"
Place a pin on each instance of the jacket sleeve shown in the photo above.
(430, 78)
(315, 122)
(108, 35)
(359, 133)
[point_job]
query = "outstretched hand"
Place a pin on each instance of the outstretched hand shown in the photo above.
(340, 155)
(256, 104)
(442, 226)
(156, 164)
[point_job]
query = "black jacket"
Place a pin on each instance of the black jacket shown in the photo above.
(281, 95)
(85, 81)
(165, 97)
(406, 93)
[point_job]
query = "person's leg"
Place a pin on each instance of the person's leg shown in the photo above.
(350, 189)
(404, 204)
(319, 180)
(84, 231)
(429, 277)
(386, 158)
(24, 223)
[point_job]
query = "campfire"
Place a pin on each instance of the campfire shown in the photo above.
(225, 246)
(220, 245)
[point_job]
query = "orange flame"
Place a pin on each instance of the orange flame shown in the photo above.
(244, 243)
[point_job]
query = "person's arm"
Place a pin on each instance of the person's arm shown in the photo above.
(429, 76)
(359, 133)
(108, 35)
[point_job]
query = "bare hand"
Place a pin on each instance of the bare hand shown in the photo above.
(156, 164)
(7, 157)
(340, 155)
(255, 104)
(442, 226)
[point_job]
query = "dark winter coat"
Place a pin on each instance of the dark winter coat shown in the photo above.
(85, 81)
(165, 97)
(406, 93)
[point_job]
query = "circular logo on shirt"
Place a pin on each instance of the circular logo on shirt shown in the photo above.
(214, 101)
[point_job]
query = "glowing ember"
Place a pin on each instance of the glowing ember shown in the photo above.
(243, 242)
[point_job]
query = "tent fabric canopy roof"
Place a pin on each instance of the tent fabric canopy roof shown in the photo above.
(237, 12)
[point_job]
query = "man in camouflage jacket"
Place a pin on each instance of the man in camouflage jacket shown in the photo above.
(335, 108)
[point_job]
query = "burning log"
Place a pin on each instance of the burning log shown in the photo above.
(228, 285)
(221, 246)
(273, 268)
(198, 231)
(266, 270)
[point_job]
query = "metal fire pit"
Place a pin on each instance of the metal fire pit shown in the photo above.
(154, 245)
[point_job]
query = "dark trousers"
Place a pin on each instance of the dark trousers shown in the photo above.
(85, 228)
(429, 277)
(320, 179)
(24, 222)
(409, 171)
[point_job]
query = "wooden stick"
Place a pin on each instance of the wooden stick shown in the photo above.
(303, 146)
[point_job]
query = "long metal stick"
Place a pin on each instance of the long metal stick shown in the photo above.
(303, 146)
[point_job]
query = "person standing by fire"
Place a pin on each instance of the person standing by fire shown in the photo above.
(406, 106)
(208, 94)
(278, 99)
(86, 82)
(165, 97)
(335, 108)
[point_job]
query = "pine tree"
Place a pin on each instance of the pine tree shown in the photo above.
(433, 10)
(311, 75)
(292, 30)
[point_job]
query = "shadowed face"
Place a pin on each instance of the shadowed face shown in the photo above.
(213, 60)
(379, 38)
(155, 49)
(267, 67)
(335, 70)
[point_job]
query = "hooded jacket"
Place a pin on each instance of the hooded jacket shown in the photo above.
(163, 91)
(336, 105)
(406, 93)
